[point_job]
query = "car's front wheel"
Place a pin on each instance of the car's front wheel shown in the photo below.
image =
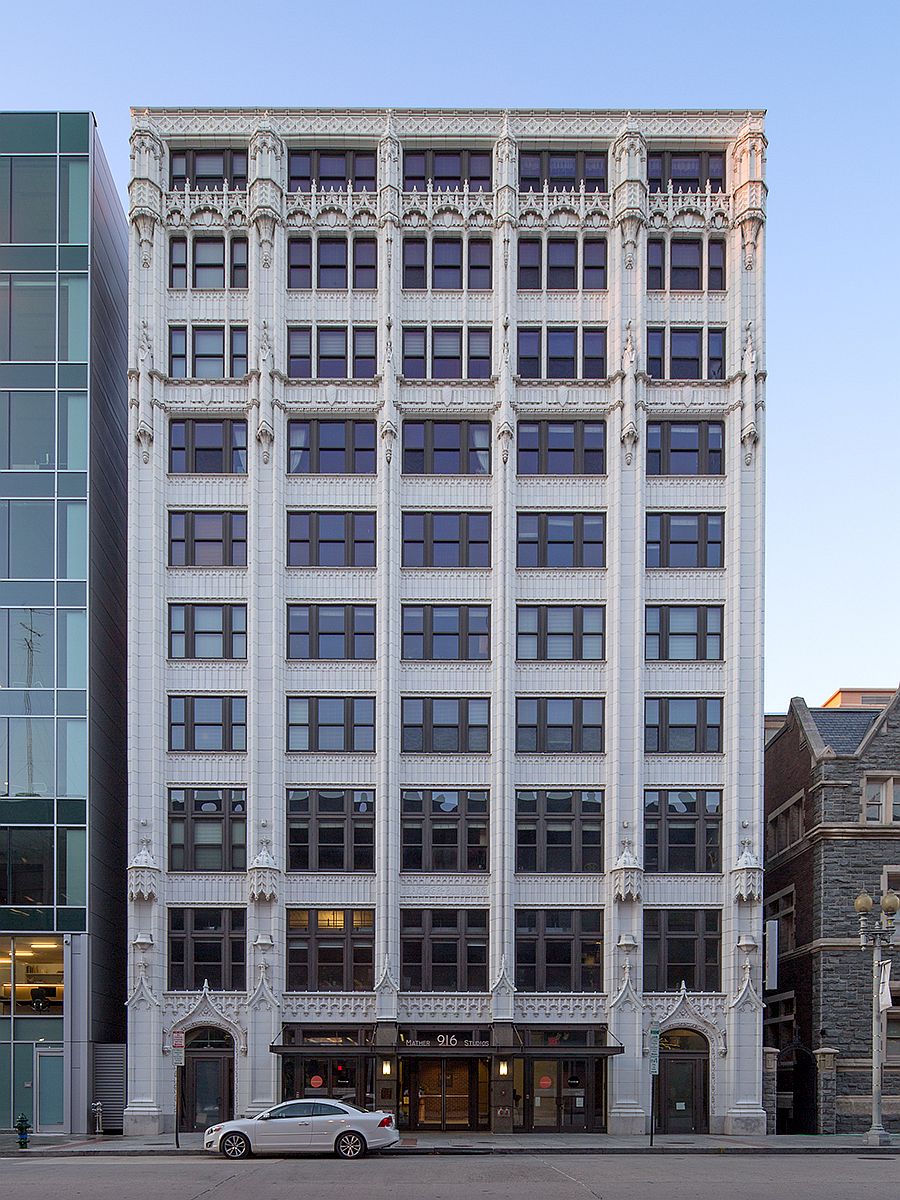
(235, 1145)
(350, 1145)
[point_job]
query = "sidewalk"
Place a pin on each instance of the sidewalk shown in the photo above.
(48, 1146)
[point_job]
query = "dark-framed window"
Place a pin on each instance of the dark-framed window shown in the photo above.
(330, 631)
(530, 255)
(208, 631)
(300, 353)
(561, 448)
(478, 361)
(446, 447)
(447, 264)
(330, 950)
(481, 253)
(332, 170)
(240, 263)
(330, 539)
(445, 725)
(560, 632)
(331, 352)
(685, 540)
(443, 829)
(444, 949)
(178, 262)
(593, 270)
(27, 875)
(457, 632)
(208, 262)
(445, 539)
(208, 724)
(237, 351)
(687, 171)
(300, 262)
(204, 447)
(207, 945)
(562, 171)
(656, 265)
(561, 539)
(208, 352)
(682, 946)
(324, 447)
(207, 829)
(414, 353)
(529, 356)
(715, 265)
(562, 353)
(683, 725)
(415, 263)
(326, 724)
(331, 257)
(559, 950)
(447, 170)
(683, 830)
(686, 264)
(685, 448)
(559, 725)
(446, 352)
(198, 538)
(365, 263)
(686, 354)
(330, 829)
(683, 632)
(593, 354)
(208, 169)
(562, 264)
(365, 358)
(559, 830)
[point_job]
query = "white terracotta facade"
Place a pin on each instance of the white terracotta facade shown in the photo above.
(626, 399)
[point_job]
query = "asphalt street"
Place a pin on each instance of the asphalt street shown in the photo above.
(525, 1177)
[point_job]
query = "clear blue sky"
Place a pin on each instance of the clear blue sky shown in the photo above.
(826, 72)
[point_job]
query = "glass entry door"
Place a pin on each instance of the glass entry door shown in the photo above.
(209, 1090)
(682, 1094)
(445, 1093)
(560, 1094)
(50, 1091)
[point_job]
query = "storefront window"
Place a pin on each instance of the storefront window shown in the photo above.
(38, 973)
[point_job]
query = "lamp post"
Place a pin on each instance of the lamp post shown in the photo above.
(880, 933)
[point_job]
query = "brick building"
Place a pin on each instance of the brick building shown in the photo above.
(832, 807)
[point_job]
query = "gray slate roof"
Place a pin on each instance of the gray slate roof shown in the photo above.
(844, 728)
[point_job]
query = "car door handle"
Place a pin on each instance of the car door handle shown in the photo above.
(303, 1122)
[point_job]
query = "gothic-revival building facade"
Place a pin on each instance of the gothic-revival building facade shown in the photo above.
(446, 528)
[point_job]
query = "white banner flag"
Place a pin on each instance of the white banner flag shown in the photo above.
(884, 991)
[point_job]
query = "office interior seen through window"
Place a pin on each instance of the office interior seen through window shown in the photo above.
(444, 654)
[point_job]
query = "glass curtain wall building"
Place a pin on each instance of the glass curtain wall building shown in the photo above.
(63, 406)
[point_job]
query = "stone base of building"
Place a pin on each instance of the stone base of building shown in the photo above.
(630, 1122)
(145, 1122)
(745, 1123)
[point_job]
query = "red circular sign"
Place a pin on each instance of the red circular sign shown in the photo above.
(316, 1081)
(545, 1082)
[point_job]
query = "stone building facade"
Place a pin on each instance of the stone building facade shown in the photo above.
(832, 828)
(450, 422)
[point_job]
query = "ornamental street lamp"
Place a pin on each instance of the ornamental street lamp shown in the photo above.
(880, 933)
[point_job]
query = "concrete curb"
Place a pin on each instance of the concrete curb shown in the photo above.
(471, 1151)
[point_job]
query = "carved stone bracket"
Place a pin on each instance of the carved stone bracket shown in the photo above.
(144, 438)
(263, 876)
(388, 437)
(143, 874)
(265, 435)
(749, 439)
(750, 225)
(627, 874)
(265, 228)
(626, 998)
(262, 995)
(631, 227)
(747, 875)
(142, 995)
(145, 223)
(505, 437)
(629, 441)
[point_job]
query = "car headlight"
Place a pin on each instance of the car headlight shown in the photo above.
(213, 1129)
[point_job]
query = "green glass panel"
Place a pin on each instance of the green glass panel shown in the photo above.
(72, 375)
(26, 920)
(73, 431)
(71, 920)
(27, 812)
(71, 745)
(28, 529)
(6, 1114)
(72, 866)
(73, 258)
(20, 703)
(30, 758)
(72, 648)
(75, 132)
(23, 1080)
(71, 703)
(30, 133)
(27, 431)
(29, 1029)
(28, 200)
(72, 533)
(24, 484)
(70, 812)
(30, 647)
(71, 483)
(29, 375)
(73, 318)
(29, 258)
(27, 318)
(73, 200)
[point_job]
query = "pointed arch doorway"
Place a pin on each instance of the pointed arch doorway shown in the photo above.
(208, 1079)
(682, 1101)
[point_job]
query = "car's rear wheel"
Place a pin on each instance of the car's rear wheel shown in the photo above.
(235, 1145)
(350, 1144)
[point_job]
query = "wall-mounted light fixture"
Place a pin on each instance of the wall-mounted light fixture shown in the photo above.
(385, 1066)
(502, 1067)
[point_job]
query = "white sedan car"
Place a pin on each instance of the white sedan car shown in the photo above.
(299, 1125)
